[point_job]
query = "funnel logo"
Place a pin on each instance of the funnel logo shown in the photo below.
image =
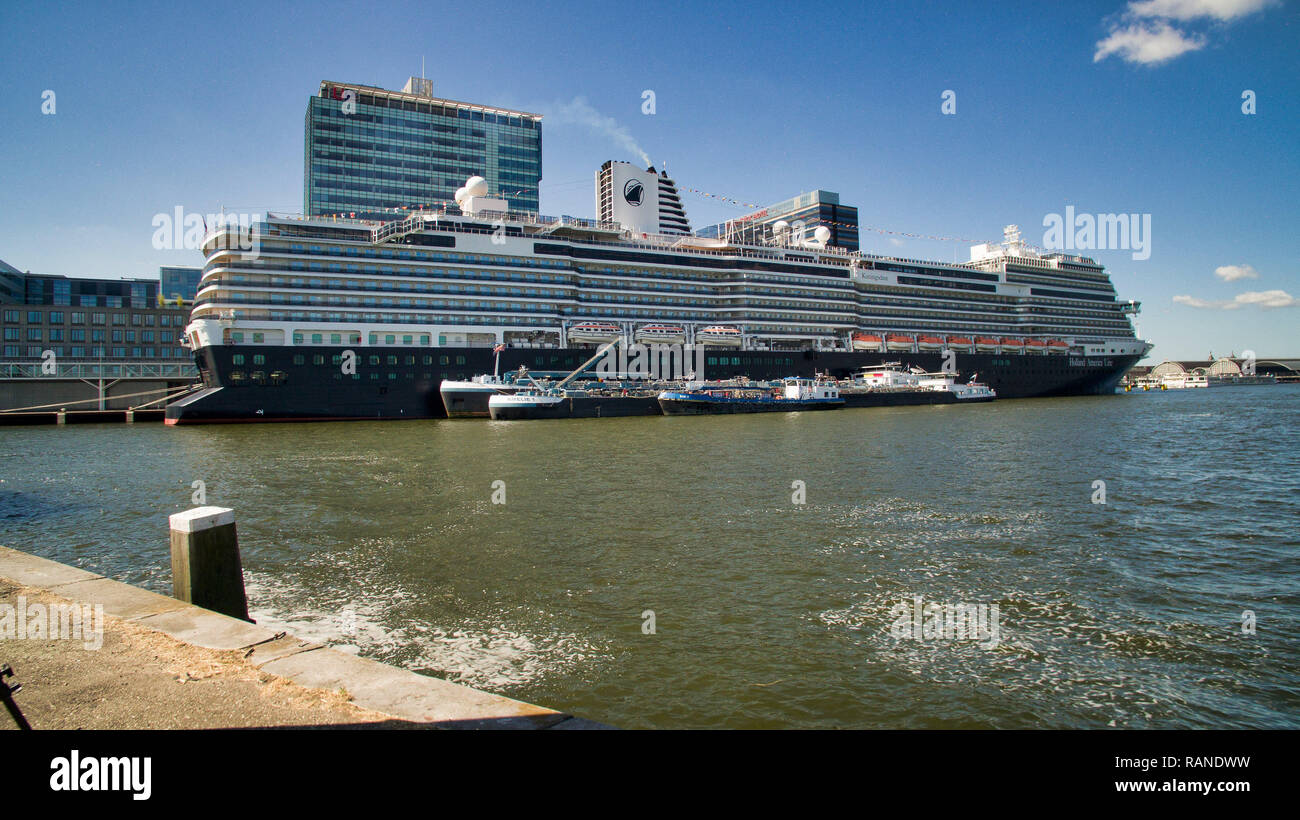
(633, 192)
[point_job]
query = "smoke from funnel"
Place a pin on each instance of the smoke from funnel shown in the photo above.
(579, 112)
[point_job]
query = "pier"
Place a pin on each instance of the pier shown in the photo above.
(163, 663)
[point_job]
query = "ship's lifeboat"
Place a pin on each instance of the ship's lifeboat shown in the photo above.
(960, 342)
(1013, 345)
(930, 343)
(719, 335)
(594, 332)
(661, 334)
(1057, 346)
(1035, 346)
(868, 341)
(900, 342)
(986, 344)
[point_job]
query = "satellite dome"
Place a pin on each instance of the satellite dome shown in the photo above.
(780, 226)
(476, 186)
(822, 234)
(461, 193)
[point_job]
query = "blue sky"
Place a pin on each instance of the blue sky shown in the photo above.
(1109, 107)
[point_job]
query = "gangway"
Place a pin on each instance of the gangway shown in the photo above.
(397, 229)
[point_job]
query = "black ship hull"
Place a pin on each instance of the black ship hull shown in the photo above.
(300, 383)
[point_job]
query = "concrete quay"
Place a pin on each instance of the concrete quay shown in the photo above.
(167, 664)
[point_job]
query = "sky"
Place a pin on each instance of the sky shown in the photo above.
(941, 122)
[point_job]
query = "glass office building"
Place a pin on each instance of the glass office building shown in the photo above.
(370, 151)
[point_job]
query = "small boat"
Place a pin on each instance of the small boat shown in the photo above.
(594, 332)
(794, 394)
(867, 341)
(469, 399)
(531, 403)
(721, 335)
(987, 344)
(889, 385)
(960, 343)
(661, 334)
(1035, 346)
(1011, 344)
(896, 341)
(930, 343)
(1057, 346)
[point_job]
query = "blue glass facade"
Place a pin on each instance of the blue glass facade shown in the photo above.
(404, 150)
(178, 284)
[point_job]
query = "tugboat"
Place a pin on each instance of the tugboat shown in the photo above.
(794, 394)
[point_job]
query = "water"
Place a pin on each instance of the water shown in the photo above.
(383, 539)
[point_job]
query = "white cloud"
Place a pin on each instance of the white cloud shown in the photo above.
(1193, 9)
(1231, 273)
(1147, 43)
(1143, 33)
(1263, 298)
(1267, 298)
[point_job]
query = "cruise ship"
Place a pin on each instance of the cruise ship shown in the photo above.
(314, 318)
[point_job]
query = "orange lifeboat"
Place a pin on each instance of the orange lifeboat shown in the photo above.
(960, 342)
(987, 344)
(1013, 344)
(930, 343)
(897, 341)
(1035, 346)
(867, 341)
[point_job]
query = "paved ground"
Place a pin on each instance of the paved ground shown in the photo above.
(164, 663)
(143, 679)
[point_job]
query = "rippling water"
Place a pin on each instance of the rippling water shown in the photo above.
(383, 538)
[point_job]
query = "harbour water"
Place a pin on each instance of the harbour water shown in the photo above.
(385, 538)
